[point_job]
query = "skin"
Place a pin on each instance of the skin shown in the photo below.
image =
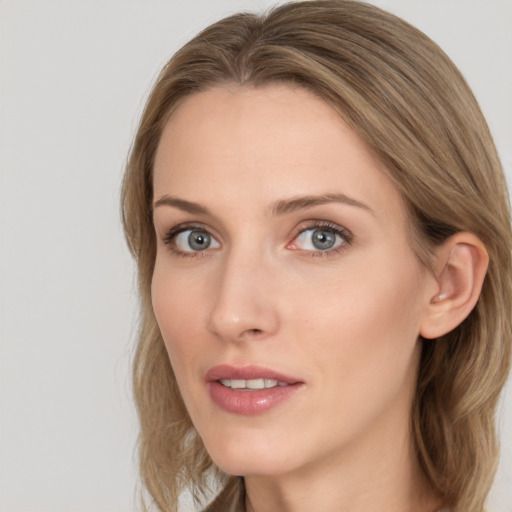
(345, 321)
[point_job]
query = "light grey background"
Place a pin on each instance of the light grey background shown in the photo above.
(74, 74)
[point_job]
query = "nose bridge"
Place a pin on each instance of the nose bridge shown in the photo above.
(243, 307)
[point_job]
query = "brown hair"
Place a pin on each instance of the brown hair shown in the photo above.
(407, 100)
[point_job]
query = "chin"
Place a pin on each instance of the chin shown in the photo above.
(255, 467)
(249, 457)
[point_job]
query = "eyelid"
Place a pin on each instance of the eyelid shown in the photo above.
(312, 225)
(171, 234)
(347, 236)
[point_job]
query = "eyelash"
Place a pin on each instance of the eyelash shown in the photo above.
(344, 233)
(171, 235)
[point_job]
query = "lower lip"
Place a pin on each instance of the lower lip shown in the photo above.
(249, 403)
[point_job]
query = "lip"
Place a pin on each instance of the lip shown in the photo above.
(249, 403)
(226, 371)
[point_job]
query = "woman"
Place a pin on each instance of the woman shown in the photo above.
(322, 233)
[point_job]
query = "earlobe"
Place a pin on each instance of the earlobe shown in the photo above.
(460, 271)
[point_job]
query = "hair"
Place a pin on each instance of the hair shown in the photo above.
(407, 100)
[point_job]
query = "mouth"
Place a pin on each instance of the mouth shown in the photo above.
(250, 390)
(252, 384)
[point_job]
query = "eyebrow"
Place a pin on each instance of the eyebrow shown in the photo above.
(181, 204)
(303, 202)
(281, 207)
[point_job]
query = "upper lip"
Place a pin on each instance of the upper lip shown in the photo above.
(226, 371)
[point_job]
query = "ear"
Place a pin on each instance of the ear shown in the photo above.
(460, 270)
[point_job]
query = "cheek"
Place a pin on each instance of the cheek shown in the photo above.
(364, 327)
(374, 295)
(361, 351)
(176, 310)
(176, 313)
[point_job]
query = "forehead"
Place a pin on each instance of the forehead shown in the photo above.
(260, 143)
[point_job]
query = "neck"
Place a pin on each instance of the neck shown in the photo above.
(378, 476)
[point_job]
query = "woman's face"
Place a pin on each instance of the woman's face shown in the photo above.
(285, 286)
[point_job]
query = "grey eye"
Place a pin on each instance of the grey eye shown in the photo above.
(319, 239)
(193, 240)
(322, 239)
(199, 240)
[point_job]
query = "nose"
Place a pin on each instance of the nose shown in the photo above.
(244, 307)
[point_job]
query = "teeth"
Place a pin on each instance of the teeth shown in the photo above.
(251, 383)
(255, 384)
(238, 384)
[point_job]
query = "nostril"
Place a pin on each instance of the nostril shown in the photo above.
(251, 333)
(235, 318)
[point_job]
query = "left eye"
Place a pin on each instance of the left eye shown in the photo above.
(318, 239)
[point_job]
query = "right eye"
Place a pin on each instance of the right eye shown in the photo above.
(191, 240)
